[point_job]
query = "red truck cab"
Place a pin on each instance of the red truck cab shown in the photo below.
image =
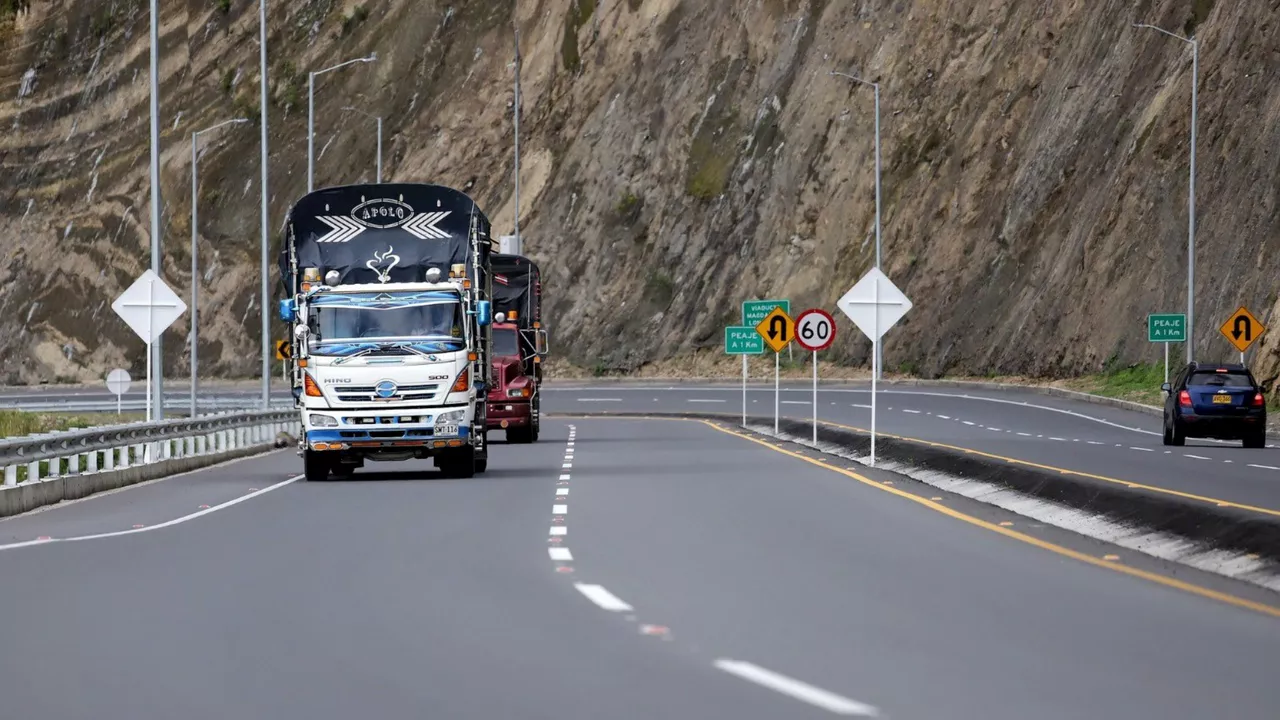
(513, 399)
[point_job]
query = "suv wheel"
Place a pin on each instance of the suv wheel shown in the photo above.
(1256, 439)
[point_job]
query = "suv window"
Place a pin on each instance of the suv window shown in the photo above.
(1220, 379)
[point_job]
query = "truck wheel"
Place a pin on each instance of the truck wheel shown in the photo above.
(519, 435)
(315, 466)
(459, 465)
(482, 465)
(533, 433)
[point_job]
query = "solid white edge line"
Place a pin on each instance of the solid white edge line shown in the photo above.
(1264, 467)
(801, 691)
(559, 509)
(605, 599)
(561, 554)
(161, 526)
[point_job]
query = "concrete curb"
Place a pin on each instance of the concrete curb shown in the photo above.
(29, 496)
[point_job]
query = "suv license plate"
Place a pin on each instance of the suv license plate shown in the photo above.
(1221, 399)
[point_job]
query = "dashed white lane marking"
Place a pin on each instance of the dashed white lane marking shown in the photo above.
(1058, 439)
(995, 429)
(559, 509)
(1197, 457)
(868, 407)
(560, 554)
(602, 399)
(913, 412)
(1141, 449)
(795, 402)
(1264, 467)
(1025, 434)
(705, 400)
(170, 523)
(605, 599)
(559, 530)
(944, 417)
(966, 422)
(566, 466)
(562, 491)
(1095, 442)
(796, 689)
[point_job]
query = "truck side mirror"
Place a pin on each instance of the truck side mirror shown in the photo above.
(542, 343)
(484, 313)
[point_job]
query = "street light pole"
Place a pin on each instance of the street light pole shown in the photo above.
(876, 88)
(516, 21)
(155, 358)
(1191, 194)
(195, 257)
(378, 118)
(265, 239)
(311, 114)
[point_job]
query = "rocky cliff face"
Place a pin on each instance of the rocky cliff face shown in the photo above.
(678, 156)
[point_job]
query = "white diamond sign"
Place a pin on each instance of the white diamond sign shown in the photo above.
(875, 304)
(149, 306)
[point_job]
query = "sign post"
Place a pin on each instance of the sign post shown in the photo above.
(1166, 328)
(744, 341)
(753, 312)
(778, 330)
(149, 307)
(874, 304)
(815, 330)
(1242, 330)
(118, 381)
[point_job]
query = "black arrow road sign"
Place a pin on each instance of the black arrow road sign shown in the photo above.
(1247, 331)
(778, 328)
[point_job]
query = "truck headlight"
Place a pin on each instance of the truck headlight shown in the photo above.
(453, 417)
(518, 392)
(322, 420)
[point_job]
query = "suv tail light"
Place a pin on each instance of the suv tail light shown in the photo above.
(1184, 399)
(1258, 400)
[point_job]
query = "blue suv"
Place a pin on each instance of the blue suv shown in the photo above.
(1223, 402)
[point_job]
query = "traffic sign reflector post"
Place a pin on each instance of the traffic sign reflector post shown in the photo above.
(284, 350)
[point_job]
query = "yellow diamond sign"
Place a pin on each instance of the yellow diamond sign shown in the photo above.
(778, 329)
(1242, 329)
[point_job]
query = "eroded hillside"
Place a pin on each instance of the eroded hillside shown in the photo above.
(678, 156)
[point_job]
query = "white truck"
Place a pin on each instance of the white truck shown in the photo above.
(388, 300)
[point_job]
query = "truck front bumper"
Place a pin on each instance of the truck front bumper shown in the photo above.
(505, 414)
(400, 429)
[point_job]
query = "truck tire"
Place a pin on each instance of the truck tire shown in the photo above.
(520, 435)
(315, 466)
(482, 465)
(459, 464)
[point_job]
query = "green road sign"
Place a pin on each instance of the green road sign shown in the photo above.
(742, 341)
(1167, 328)
(753, 311)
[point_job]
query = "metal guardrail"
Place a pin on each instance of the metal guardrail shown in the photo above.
(120, 446)
(36, 404)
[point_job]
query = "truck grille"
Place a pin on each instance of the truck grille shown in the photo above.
(368, 393)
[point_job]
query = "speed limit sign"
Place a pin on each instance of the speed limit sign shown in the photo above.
(815, 329)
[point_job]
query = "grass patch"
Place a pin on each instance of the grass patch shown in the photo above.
(659, 289)
(579, 12)
(629, 207)
(224, 6)
(9, 8)
(17, 423)
(1136, 383)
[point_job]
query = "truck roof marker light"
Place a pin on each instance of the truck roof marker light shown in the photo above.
(458, 269)
(302, 362)
(537, 359)
(306, 287)
(463, 383)
(511, 315)
(310, 387)
(466, 283)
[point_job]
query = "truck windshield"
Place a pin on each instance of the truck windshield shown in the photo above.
(435, 320)
(505, 342)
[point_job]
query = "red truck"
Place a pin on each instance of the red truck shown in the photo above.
(519, 344)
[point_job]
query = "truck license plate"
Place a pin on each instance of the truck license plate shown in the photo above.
(1221, 399)
(447, 430)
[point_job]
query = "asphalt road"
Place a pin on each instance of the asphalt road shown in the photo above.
(1061, 433)
(617, 568)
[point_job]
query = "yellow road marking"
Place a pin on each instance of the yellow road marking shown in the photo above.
(1013, 534)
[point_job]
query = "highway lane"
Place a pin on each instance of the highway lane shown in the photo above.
(1079, 436)
(742, 551)
(392, 595)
